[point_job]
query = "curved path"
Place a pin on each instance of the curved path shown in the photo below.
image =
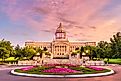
(5, 76)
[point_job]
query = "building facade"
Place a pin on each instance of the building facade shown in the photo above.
(60, 46)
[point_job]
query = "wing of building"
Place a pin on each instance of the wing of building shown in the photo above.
(60, 46)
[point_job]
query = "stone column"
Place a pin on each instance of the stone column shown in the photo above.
(59, 50)
(43, 56)
(70, 56)
(51, 56)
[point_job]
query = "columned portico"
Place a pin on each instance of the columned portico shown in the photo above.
(61, 49)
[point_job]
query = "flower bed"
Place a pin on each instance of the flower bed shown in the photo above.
(28, 68)
(61, 69)
(95, 68)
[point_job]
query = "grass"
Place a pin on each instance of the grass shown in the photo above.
(9, 59)
(114, 61)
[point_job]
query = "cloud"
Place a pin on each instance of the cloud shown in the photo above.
(92, 27)
(48, 31)
(82, 19)
(62, 19)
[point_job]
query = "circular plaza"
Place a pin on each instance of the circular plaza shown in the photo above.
(5, 75)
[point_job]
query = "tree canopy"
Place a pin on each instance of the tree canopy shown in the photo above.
(103, 50)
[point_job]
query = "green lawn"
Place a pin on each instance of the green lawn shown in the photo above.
(9, 59)
(114, 61)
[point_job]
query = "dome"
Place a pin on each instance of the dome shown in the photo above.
(60, 32)
(60, 29)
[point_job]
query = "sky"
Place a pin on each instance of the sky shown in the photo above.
(37, 20)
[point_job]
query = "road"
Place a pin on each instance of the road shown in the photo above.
(6, 76)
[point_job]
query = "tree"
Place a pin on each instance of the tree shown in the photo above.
(90, 51)
(102, 44)
(116, 45)
(45, 49)
(81, 51)
(94, 55)
(24, 53)
(100, 53)
(4, 53)
(108, 53)
(105, 49)
(18, 53)
(6, 49)
(28, 52)
(39, 50)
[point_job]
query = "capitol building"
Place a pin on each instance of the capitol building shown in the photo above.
(60, 46)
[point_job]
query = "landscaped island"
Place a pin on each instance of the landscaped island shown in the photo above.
(61, 69)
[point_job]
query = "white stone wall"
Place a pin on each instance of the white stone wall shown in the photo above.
(59, 48)
(63, 61)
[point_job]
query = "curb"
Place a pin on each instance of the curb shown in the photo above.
(62, 76)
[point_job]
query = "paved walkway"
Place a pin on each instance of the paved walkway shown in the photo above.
(5, 76)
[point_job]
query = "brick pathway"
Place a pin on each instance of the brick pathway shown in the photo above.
(5, 76)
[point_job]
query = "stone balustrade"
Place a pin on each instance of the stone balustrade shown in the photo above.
(29, 62)
(61, 61)
(93, 63)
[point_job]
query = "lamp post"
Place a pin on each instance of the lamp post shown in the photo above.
(87, 54)
(83, 58)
